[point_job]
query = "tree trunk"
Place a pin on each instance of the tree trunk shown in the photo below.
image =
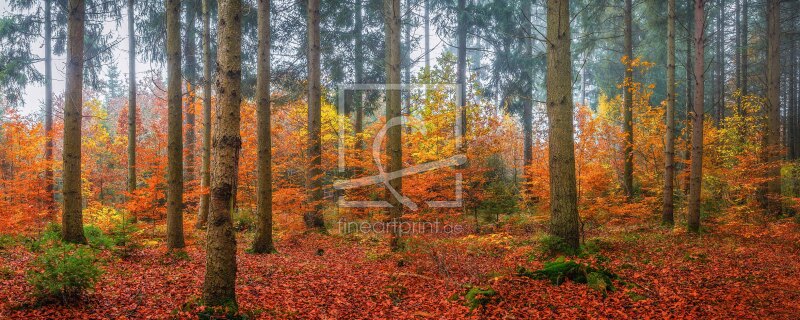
(175, 128)
(394, 145)
(219, 287)
(427, 18)
(191, 80)
(737, 51)
(48, 107)
(628, 103)
(719, 87)
(773, 148)
(263, 238)
(696, 175)
(689, 94)
(667, 215)
(462, 71)
(72, 220)
(131, 100)
(205, 181)
(527, 103)
(313, 217)
(745, 46)
(563, 192)
(359, 74)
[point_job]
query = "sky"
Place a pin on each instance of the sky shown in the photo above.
(33, 98)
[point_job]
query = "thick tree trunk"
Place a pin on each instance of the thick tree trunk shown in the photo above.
(394, 145)
(205, 181)
(191, 80)
(263, 238)
(131, 100)
(219, 287)
(48, 107)
(696, 175)
(527, 103)
(563, 191)
(72, 220)
(628, 103)
(175, 128)
(313, 216)
(773, 147)
(667, 215)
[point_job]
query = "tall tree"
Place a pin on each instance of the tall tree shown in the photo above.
(628, 101)
(72, 220)
(696, 174)
(263, 238)
(394, 144)
(175, 127)
(773, 145)
(205, 180)
(527, 103)
(313, 216)
(689, 92)
(358, 30)
(190, 75)
(745, 65)
(48, 104)
(461, 69)
(667, 216)
(719, 86)
(219, 287)
(563, 192)
(427, 34)
(131, 100)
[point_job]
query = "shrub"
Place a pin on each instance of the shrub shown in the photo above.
(96, 238)
(63, 273)
(50, 237)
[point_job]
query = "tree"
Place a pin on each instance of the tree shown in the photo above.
(696, 173)
(190, 74)
(205, 172)
(175, 127)
(131, 100)
(48, 104)
(263, 238)
(771, 198)
(394, 144)
(72, 220)
(527, 103)
(313, 216)
(563, 193)
(461, 69)
(667, 216)
(219, 287)
(628, 102)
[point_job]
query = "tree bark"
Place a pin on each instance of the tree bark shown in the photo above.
(773, 147)
(313, 216)
(48, 107)
(696, 175)
(131, 100)
(667, 215)
(205, 181)
(72, 220)
(563, 192)
(263, 238)
(628, 103)
(394, 144)
(175, 128)
(219, 287)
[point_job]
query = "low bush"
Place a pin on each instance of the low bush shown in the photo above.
(63, 272)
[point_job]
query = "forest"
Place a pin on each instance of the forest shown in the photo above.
(403, 159)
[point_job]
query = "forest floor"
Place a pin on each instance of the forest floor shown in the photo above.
(730, 271)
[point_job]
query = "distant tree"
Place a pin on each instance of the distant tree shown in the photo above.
(131, 99)
(628, 101)
(563, 190)
(772, 193)
(262, 242)
(667, 216)
(696, 173)
(205, 171)
(313, 216)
